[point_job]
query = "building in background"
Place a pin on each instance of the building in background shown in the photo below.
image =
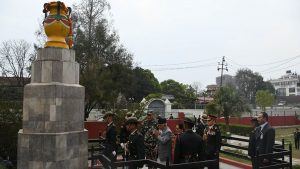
(226, 80)
(287, 85)
(211, 89)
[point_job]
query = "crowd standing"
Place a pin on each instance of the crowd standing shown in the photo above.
(154, 139)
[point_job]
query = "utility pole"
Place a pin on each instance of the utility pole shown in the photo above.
(223, 67)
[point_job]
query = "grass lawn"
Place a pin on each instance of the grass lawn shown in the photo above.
(287, 134)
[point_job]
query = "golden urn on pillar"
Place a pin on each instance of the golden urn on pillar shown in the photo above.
(57, 25)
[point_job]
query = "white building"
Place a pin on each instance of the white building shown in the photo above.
(287, 85)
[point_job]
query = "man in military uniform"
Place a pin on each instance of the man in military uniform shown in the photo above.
(150, 141)
(135, 145)
(212, 140)
(110, 138)
(202, 124)
(124, 134)
(189, 145)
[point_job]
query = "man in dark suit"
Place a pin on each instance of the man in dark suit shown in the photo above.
(110, 137)
(296, 138)
(135, 147)
(251, 146)
(189, 145)
(264, 137)
(212, 140)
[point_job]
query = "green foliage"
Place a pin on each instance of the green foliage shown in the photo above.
(143, 84)
(264, 98)
(2, 166)
(10, 123)
(135, 108)
(249, 83)
(153, 95)
(227, 102)
(105, 65)
(296, 166)
(184, 95)
(243, 130)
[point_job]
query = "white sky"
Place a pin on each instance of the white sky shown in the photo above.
(189, 37)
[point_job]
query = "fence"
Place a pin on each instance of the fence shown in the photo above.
(96, 153)
(278, 156)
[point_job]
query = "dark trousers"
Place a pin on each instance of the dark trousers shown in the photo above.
(212, 157)
(108, 153)
(297, 143)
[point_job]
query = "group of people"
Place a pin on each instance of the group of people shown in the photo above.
(194, 140)
(153, 140)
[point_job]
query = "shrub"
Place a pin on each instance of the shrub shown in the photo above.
(243, 130)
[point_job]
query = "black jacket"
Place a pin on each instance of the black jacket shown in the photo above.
(188, 148)
(111, 140)
(251, 146)
(136, 146)
(264, 139)
(213, 142)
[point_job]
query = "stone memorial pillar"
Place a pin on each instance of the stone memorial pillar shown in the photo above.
(53, 134)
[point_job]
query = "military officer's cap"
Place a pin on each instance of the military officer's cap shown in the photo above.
(204, 117)
(211, 117)
(189, 120)
(132, 120)
(162, 120)
(107, 114)
(150, 112)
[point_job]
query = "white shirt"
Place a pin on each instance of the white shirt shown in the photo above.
(263, 125)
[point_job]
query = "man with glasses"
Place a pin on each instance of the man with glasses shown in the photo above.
(212, 140)
(264, 137)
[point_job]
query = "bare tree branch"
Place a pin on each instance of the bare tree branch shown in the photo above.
(15, 59)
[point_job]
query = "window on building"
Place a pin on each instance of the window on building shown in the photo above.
(292, 90)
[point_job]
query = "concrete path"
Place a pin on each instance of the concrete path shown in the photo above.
(222, 166)
(226, 166)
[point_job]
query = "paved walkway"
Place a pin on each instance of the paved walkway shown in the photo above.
(222, 166)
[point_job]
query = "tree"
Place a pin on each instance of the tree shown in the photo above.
(184, 94)
(15, 60)
(10, 119)
(264, 98)
(249, 83)
(143, 84)
(105, 64)
(227, 102)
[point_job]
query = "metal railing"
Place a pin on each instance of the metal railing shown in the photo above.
(277, 157)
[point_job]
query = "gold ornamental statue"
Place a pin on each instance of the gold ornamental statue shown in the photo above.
(57, 25)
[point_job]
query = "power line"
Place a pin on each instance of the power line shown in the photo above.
(182, 63)
(179, 68)
(265, 64)
(276, 70)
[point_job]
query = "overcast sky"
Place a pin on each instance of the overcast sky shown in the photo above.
(185, 39)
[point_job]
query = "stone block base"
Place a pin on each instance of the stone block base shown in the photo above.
(66, 150)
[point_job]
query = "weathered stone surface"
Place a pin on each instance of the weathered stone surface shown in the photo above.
(56, 54)
(56, 107)
(36, 68)
(53, 135)
(48, 150)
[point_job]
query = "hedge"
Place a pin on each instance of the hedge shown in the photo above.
(242, 130)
